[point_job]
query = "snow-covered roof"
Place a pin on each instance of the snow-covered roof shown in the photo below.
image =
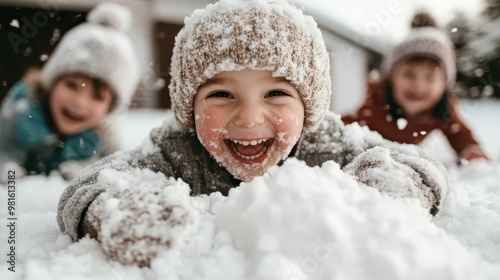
(329, 23)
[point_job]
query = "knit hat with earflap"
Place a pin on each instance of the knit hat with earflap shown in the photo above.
(425, 40)
(232, 35)
(98, 49)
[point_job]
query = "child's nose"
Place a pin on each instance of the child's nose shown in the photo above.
(81, 100)
(420, 85)
(248, 116)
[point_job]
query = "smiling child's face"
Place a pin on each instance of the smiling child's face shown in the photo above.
(418, 86)
(76, 105)
(248, 120)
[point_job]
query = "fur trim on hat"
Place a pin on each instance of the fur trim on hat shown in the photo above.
(425, 40)
(98, 49)
(232, 35)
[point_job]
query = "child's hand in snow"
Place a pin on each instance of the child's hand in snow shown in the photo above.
(396, 174)
(471, 154)
(138, 223)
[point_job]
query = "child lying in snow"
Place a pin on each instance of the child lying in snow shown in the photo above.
(250, 88)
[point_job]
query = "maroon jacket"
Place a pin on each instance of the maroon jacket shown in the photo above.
(374, 114)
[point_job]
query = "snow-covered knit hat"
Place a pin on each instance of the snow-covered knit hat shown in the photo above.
(99, 49)
(425, 40)
(232, 35)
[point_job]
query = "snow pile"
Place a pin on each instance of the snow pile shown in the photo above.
(296, 223)
(471, 212)
(317, 223)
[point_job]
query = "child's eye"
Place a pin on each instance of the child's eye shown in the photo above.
(276, 93)
(71, 85)
(408, 75)
(220, 94)
(98, 96)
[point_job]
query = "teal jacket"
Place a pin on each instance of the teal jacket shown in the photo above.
(28, 136)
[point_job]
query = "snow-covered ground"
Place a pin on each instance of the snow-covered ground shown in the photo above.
(276, 228)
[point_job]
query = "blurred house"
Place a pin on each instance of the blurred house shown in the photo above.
(155, 24)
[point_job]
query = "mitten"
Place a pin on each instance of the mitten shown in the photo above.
(399, 175)
(472, 153)
(135, 224)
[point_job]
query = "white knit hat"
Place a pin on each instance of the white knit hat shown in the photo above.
(425, 40)
(232, 35)
(99, 49)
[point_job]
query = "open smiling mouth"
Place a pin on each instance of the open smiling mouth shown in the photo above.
(71, 116)
(415, 97)
(252, 151)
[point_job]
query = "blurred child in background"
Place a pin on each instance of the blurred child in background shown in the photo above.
(55, 118)
(413, 98)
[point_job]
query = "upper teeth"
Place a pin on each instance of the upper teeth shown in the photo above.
(246, 143)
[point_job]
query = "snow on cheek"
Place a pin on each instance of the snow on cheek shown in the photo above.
(278, 120)
(289, 130)
(221, 131)
(202, 129)
(282, 138)
(209, 129)
(213, 144)
(212, 139)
